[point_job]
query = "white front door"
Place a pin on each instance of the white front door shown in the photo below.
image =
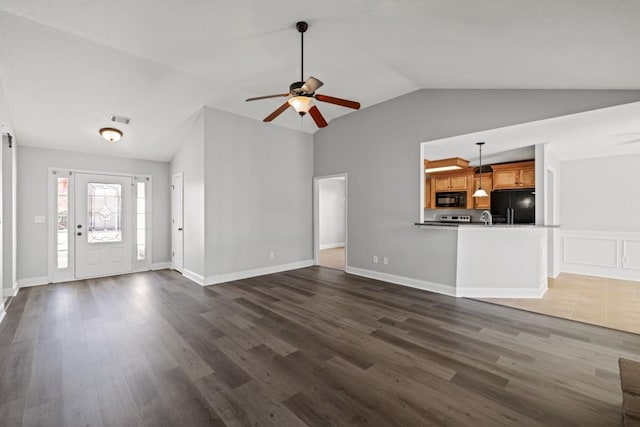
(104, 233)
(177, 246)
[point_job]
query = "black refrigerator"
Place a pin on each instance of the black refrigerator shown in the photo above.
(513, 206)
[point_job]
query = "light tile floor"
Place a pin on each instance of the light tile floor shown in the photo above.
(605, 302)
(332, 258)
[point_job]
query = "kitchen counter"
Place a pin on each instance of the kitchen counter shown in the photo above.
(497, 261)
(479, 225)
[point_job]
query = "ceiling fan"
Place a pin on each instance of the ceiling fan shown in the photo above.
(303, 93)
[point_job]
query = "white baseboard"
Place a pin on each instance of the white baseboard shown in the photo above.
(332, 245)
(153, 267)
(2, 313)
(229, 277)
(596, 271)
(194, 277)
(161, 265)
(33, 281)
(404, 281)
(11, 292)
(502, 292)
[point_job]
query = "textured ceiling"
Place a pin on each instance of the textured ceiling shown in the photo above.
(66, 65)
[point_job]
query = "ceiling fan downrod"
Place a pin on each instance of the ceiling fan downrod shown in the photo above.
(302, 27)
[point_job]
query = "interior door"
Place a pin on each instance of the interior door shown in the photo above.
(177, 234)
(104, 233)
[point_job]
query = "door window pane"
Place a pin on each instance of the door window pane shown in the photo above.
(105, 213)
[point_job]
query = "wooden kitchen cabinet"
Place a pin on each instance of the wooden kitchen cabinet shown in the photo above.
(514, 175)
(451, 183)
(487, 185)
(428, 197)
(529, 177)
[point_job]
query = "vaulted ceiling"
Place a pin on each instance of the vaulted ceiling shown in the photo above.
(67, 65)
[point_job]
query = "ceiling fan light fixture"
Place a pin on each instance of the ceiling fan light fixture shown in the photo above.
(111, 134)
(301, 104)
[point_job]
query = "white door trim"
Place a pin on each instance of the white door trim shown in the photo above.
(51, 250)
(316, 216)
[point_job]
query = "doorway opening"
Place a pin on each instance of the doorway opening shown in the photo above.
(177, 212)
(330, 221)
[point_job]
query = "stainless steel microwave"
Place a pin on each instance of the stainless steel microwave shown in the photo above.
(456, 199)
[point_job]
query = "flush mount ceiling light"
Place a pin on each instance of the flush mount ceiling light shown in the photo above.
(111, 134)
(445, 165)
(480, 192)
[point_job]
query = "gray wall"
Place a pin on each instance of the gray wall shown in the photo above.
(258, 194)
(33, 164)
(601, 194)
(331, 211)
(379, 147)
(189, 160)
(9, 159)
(7, 202)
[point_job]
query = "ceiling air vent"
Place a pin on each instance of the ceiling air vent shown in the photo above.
(119, 119)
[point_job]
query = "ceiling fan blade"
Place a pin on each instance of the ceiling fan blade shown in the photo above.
(311, 85)
(266, 97)
(317, 117)
(276, 113)
(338, 101)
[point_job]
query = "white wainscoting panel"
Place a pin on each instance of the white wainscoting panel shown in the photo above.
(590, 251)
(631, 254)
(600, 253)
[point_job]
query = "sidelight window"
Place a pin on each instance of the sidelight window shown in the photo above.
(141, 212)
(62, 222)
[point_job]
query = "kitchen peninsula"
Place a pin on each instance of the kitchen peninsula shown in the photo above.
(497, 261)
(499, 251)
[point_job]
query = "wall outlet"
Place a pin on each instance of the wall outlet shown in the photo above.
(375, 259)
(272, 255)
(385, 260)
(40, 219)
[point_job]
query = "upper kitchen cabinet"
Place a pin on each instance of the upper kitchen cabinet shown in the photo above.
(429, 195)
(514, 175)
(487, 185)
(455, 182)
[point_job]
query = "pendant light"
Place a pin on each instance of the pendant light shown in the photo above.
(480, 192)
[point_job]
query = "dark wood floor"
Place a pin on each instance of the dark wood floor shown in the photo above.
(308, 347)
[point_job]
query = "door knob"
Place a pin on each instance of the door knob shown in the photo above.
(180, 229)
(79, 225)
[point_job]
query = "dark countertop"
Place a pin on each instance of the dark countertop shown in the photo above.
(438, 223)
(480, 225)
